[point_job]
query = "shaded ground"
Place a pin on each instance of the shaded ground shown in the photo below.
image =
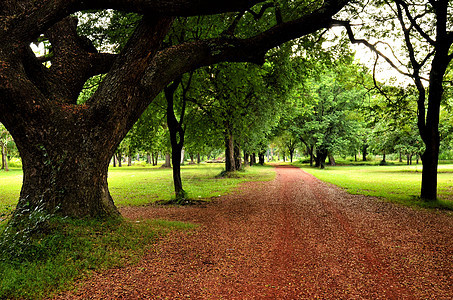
(292, 238)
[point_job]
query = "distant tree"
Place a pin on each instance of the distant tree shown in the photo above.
(325, 119)
(425, 29)
(5, 142)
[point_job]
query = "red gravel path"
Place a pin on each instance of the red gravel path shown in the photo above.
(292, 238)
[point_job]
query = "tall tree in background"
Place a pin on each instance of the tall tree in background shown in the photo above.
(66, 147)
(425, 28)
(5, 140)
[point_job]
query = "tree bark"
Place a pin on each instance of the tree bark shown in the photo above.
(237, 156)
(246, 159)
(261, 157)
(364, 152)
(230, 164)
(167, 163)
(176, 139)
(331, 160)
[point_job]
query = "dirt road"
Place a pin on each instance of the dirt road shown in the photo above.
(292, 238)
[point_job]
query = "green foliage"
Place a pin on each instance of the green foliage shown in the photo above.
(72, 249)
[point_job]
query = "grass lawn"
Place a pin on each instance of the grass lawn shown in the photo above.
(139, 185)
(399, 183)
(143, 185)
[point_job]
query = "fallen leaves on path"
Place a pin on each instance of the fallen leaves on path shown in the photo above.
(293, 238)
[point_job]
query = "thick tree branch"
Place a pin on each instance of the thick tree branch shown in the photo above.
(74, 60)
(27, 23)
(189, 56)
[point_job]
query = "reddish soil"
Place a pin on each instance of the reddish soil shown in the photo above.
(292, 238)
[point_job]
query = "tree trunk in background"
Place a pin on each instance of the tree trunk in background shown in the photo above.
(167, 163)
(230, 165)
(246, 159)
(261, 157)
(253, 159)
(237, 156)
(129, 160)
(148, 158)
(120, 160)
(320, 158)
(198, 158)
(332, 160)
(364, 152)
(182, 157)
(5, 158)
(114, 160)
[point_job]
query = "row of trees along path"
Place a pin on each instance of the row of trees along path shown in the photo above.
(66, 147)
(292, 238)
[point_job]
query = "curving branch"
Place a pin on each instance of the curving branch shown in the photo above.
(414, 23)
(370, 46)
(28, 22)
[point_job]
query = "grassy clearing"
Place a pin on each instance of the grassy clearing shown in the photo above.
(143, 185)
(399, 183)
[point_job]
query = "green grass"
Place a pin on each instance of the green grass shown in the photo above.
(398, 183)
(35, 267)
(10, 184)
(143, 185)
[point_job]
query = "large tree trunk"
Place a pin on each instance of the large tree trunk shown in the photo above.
(66, 176)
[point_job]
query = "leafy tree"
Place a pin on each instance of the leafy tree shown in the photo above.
(66, 147)
(325, 119)
(425, 28)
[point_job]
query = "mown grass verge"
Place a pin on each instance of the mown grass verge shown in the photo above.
(48, 262)
(399, 183)
(143, 185)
